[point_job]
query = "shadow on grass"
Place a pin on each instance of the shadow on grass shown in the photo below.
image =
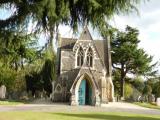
(108, 116)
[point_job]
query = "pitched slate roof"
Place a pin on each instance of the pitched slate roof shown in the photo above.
(100, 48)
(68, 43)
(85, 35)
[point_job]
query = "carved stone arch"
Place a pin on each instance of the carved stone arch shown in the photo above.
(75, 48)
(90, 56)
(58, 88)
(76, 85)
(79, 57)
(93, 49)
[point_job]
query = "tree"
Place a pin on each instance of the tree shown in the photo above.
(155, 84)
(116, 77)
(48, 72)
(7, 76)
(147, 91)
(138, 83)
(127, 58)
(128, 91)
(48, 14)
(40, 77)
(156, 90)
(17, 50)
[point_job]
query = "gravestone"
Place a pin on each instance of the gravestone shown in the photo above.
(158, 101)
(2, 92)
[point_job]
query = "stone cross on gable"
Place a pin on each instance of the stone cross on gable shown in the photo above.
(85, 35)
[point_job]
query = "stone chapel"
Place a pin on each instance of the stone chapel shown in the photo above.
(83, 71)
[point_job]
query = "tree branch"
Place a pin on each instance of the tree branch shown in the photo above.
(116, 67)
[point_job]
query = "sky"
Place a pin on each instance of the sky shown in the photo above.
(147, 22)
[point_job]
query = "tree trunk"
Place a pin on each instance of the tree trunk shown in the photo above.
(155, 98)
(22, 65)
(16, 66)
(50, 42)
(122, 83)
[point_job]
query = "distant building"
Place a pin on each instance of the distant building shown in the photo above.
(84, 71)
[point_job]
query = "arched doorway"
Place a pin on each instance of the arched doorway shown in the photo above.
(85, 93)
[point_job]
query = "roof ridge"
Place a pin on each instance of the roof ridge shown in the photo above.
(85, 35)
(68, 38)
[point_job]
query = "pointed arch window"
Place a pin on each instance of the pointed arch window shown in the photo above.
(80, 57)
(90, 57)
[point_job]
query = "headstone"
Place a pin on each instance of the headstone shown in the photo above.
(24, 96)
(158, 101)
(2, 92)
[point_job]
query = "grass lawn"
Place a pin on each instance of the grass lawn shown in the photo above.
(74, 116)
(6, 102)
(147, 105)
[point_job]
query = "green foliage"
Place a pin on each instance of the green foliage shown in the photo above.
(156, 89)
(116, 82)
(49, 14)
(127, 58)
(17, 51)
(128, 91)
(48, 71)
(127, 54)
(40, 79)
(138, 83)
(16, 48)
(34, 82)
(19, 84)
(46, 15)
(7, 77)
(147, 90)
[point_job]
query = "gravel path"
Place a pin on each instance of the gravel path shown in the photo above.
(55, 107)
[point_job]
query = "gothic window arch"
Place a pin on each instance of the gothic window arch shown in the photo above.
(80, 57)
(90, 57)
(58, 88)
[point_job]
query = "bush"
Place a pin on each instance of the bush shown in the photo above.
(138, 83)
(147, 90)
(128, 91)
(7, 77)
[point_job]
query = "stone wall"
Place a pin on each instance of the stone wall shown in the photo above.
(67, 60)
(69, 72)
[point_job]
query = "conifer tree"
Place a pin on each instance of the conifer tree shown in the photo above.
(127, 58)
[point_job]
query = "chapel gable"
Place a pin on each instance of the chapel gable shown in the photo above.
(85, 35)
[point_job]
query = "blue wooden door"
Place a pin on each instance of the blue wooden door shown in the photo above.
(82, 92)
(90, 95)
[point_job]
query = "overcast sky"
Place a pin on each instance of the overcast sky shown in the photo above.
(148, 23)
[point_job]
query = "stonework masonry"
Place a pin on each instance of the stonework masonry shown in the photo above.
(74, 66)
